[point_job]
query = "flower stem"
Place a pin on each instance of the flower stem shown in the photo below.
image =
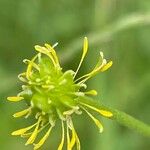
(121, 117)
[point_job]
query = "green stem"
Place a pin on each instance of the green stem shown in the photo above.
(121, 117)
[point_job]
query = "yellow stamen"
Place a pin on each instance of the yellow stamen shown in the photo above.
(85, 49)
(82, 77)
(22, 74)
(74, 134)
(102, 55)
(23, 130)
(39, 57)
(51, 49)
(63, 137)
(105, 113)
(68, 139)
(42, 141)
(77, 140)
(21, 77)
(73, 139)
(70, 111)
(28, 134)
(30, 65)
(107, 66)
(46, 52)
(33, 64)
(91, 92)
(25, 135)
(97, 122)
(15, 98)
(101, 61)
(34, 134)
(22, 113)
(101, 66)
(90, 74)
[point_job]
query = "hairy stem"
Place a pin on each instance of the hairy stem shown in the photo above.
(121, 117)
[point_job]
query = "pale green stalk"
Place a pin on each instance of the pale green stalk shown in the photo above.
(121, 117)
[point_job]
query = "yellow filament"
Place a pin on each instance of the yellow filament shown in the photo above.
(68, 139)
(96, 121)
(33, 64)
(42, 141)
(73, 139)
(20, 76)
(25, 135)
(51, 49)
(77, 139)
(101, 66)
(74, 134)
(28, 134)
(85, 49)
(29, 68)
(34, 134)
(63, 137)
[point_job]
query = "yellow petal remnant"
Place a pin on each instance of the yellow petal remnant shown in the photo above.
(63, 137)
(25, 135)
(23, 130)
(105, 113)
(22, 113)
(42, 141)
(15, 98)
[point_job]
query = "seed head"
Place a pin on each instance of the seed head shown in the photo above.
(52, 94)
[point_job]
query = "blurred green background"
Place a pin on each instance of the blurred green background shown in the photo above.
(120, 28)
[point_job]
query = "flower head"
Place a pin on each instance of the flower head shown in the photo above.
(52, 94)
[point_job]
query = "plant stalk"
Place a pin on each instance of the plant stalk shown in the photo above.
(119, 116)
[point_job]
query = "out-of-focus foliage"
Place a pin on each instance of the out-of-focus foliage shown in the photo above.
(121, 28)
